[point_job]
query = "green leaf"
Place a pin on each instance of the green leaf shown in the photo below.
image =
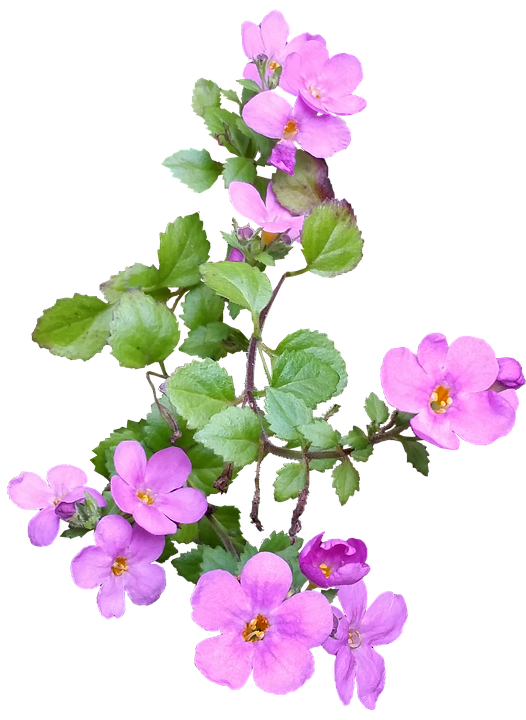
(261, 185)
(345, 480)
(236, 341)
(206, 94)
(248, 552)
(284, 413)
(194, 168)
(157, 431)
(207, 341)
(183, 247)
(305, 376)
(330, 594)
(376, 409)
(290, 481)
(186, 533)
(416, 453)
(263, 145)
(234, 434)
(206, 468)
(74, 532)
(111, 507)
(136, 277)
(319, 345)
(103, 460)
(201, 306)
(279, 543)
(307, 188)
(356, 439)
(169, 549)
(363, 455)
(403, 418)
(188, 564)
(218, 559)
(234, 309)
(142, 331)
(227, 516)
(239, 169)
(239, 282)
(231, 95)
(76, 328)
(222, 125)
(199, 390)
(249, 85)
(319, 433)
(330, 239)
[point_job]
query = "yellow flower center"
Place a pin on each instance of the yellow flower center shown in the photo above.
(326, 570)
(273, 65)
(145, 496)
(440, 400)
(119, 566)
(355, 639)
(290, 130)
(255, 629)
(315, 92)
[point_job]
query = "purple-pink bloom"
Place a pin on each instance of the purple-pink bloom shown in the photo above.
(358, 632)
(271, 216)
(64, 483)
(446, 387)
(510, 375)
(334, 562)
(260, 629)
(326, 84)
(121, 560)
(273, 116)
(152, 491)
(235, 255)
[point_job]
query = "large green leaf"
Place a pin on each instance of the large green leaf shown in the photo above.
(239, 282)
(376, 409)
(345, 480)
(202, 306)
(207, 341)
(320, 434)
(206, 94)
(284, 413)
(233, 433)
(183, 247)
(239, 169)
(330, 239)
(305, 376)
(194, 168)
(136, 277)
(416, 453)
(206, 468)
(307, 188)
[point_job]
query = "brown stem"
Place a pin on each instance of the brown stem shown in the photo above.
(295, 525)
(254, 514)
(163, 411)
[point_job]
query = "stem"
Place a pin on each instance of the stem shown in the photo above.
(163, 411)
(178, 294)
(227, 542)
(249, 377)
(308, 455)
(295, 525)
(254, 514)
(266, 349)
(163, 369)
(262, 357)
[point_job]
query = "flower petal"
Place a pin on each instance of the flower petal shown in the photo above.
(247, 201)
(144, 582)
(432, 353)
(43, 528)
(341, 74)
(353, 599)
(153, 519)
(324, 135)
(251, 39)
(405, 384)
(306, 617)
(186, 505)
(313, 55)
(346, 105)
(370, 675)
(30, 492)
(384, 619)
(220, 603)
(225, 660)
(511, 396)
(64, 478)
(291, 79)
(283, 156)
(130, 462)
(124, 495)
(110, 597)
(281, 665)
(339, 636)
(267, 114)
(481, 418)
(348, 574)
(435, 428)
(344, 674)
(144, 547)
(266, 579)
(250, 72)
(113, 534)
(274, 33)
(167, 470)
(472, 364)
(91, 567)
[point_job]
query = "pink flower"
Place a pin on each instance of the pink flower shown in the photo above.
(120, 560)
(273, 116)
(334, 562)
(446, 388)
(65, 484)
(235, 255)
(260, 630)
(270, 39)
(510, 375)
(326, 84)
(152, 491)
(272, 217)
(357, 633)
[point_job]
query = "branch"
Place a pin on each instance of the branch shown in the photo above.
(295, 525)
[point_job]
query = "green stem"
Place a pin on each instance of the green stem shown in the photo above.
(262, 357)
(227, 542)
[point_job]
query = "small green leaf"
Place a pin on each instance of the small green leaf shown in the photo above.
(330, 594)
(239, 169)
(416, 453)
(234, 309)
(222, 125)
(142, 331)
(74, 532)
(158, 432)
(194, 168)
(76, 328)
(111, 507)
(363, 455)
(231, 95)
(199, 390)
(284, 413)
(207, 341)
(169, 549)
(206, 94)
(263, 144)
(376, 409)
(345, 480)
(183, 247)
(305, 376)
(249, 85)
(136, 277)
(201, 306)
(186, 533)
(356, 439)
(206, 468)
(279, 543)
(403, 418)
(290, 481)
(218, 559)
(188, 564)
(330, 239)
(103, 460)
(234, 434)
(239, 282)
(319, 433)
(248, 552)
(308, 187)
(227, 516)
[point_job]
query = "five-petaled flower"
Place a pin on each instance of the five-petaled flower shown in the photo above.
(121, 560)
(334, 562)
(65, 483)
(152, 491)
(272, 217)
(259, 628)
(447, 389)
(358, 632)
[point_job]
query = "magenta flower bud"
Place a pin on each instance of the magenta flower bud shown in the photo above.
(245, 232)
(334, 562)
(235, 256)
(510, 375)
(66, 510)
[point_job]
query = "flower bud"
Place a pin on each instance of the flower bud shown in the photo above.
(245, 232)
(510, 375)
(335, 562)
(235, 255)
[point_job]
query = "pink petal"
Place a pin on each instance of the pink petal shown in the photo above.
(64, 478)
(405, 384)
(340, 637)
(384, 620)
(220, 603)
(225, 659)
(91, 567)
(291, 79)
(30, 492)
(153, 520)
(110, 597)
(251, 73)
(481, 418)
(267, 114)
(432, 353)
(344, 105)
(283, 156)
(124, 495)
(130, 462)
(113, 534)
(313, 55)
(251, 39)
(247, 201)
(306, 617)
(324, 135)
(511, 396)
(281, 665)
(302, 112)
(435, 428)
(297, 42)
(341, 74)
(144, 582)
(472, 364)
(43, 528)
(353, 599)
(274, 33)
(144, 547)
(266, 579)
(167, 470)
(370, 675)
(186, 505)
(344, 674)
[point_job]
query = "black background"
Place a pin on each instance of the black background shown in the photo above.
(435, 259)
